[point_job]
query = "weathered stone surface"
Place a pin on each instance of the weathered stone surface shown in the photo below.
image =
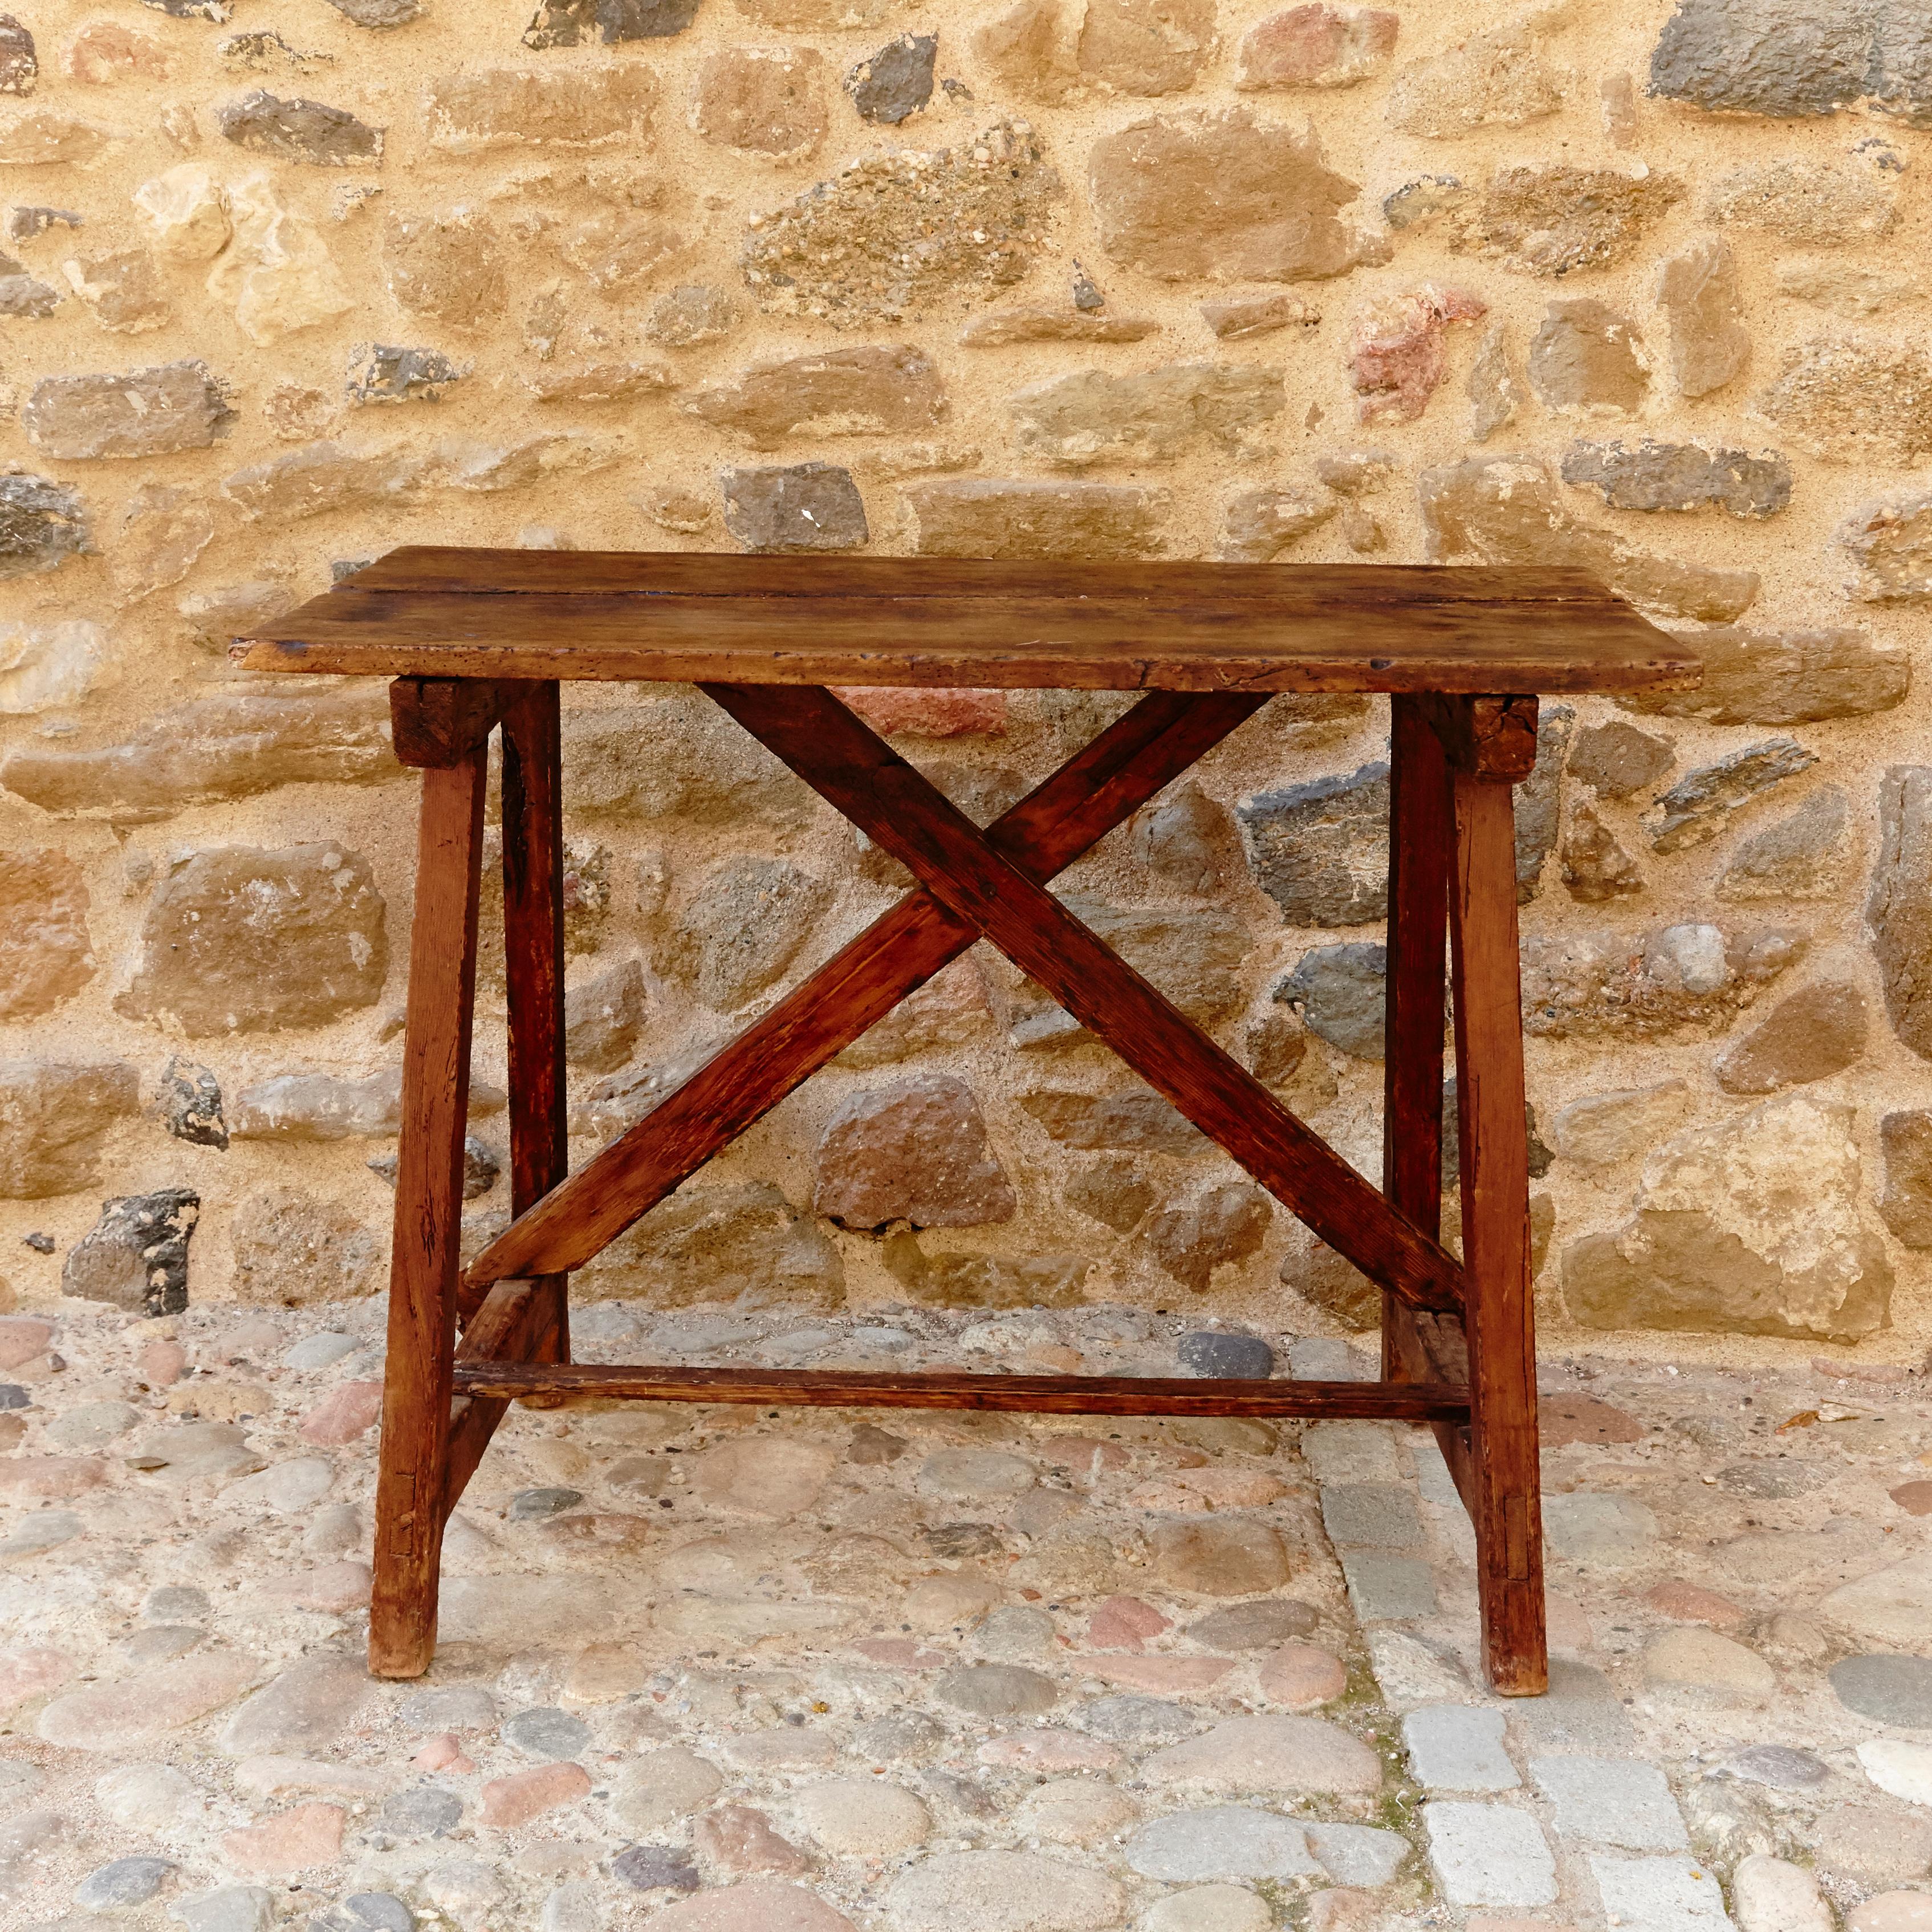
(1679, 476)
(1496, 78)
(1396, 356)
(1006, 327)
(720, 1244)
(1002, 1892)
(1228, 1224)
(187, 1102)
(1810, 1035)
(841, 392)
(915, 1151)
(1277, 1754)
(1905, 1139)
(1320, 850)
(1889, 542)
(1551, 219)
(1697, 290)
(161, 531)
(42, 524)
(809, 506)
(130, 1713)
(1596, 867)
(299, 130)
(1154, 416)
(53, 1117)
(893, 84)
(1648, 985)
(1603, 1129)
(677, 756)
(19, 65)
(1851, 289)
(1316, 45)
(1340, 993)
(1221, 197)
(1814, 203)
(1185, 838)
(1245, 316)
(1801, 857)
(239, 938)
(895, 233)
(1703, 802)
(1257, 525)
(321, 478)
(292, 1249)
(576, 107)
(570, 23)
(1221, 1556)
(767, 101)
(1899, 910)
(228, 746)
(1617, 759)
(46, 953)
(451, 266)
(740, 927)
(186, 213)
(146, 412)
(1758, 1225)
(1023, 517)
(383, 373)
(1192, 956)
(603, 1017)
(1509, 509)
(1138, 1119)
(22, 296)
(1855, 399)
(1585, 359)
(1784, 677)
(324, 1107)
(1145, 47)
(136, 1255)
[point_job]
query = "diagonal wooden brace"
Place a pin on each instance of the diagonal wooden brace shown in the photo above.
(851, 767)
(1100, 787)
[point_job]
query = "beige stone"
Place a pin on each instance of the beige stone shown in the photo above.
(1890, 545)
(1814, 203)
(1603, 1129)
(1596, 866)
(1674, 981)
(41, 138)
(163, 530)
(1011, 326)
(983, 517)
(721, 1243)
(1809, 1035)
(450, 266)
(1257, 525)
(1094, 416)
(45, 665)
(1854, 399)
(1029, 48)
(46, 955)
(1553, 219)
(1316, 45)
(591, 107)
(240, 938)
(815, 16)
(1145, 47)
(54, 1115)
(277, 270)
(1697, 290)
(1587, 358)
(1221, 196)
(186, 212)
(1498, 79)
(104, 51)
(1785, 677)
(841, 392)
(769, 100)
(292, 1249)
(322, 478)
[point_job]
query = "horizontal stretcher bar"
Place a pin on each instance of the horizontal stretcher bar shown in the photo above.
(1063, 1395)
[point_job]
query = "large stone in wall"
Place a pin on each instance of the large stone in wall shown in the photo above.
(1510, 509)
(1021, 517)
(1193, 954)
(46, 955)
(162, 530)
(234, 745)
(1783, 677)
(1342, 994)
(915, 1151)
(1800, 857)
(1320, 850)
(1758, 1225)
(1146, 47)
(1700, 804)
(293, 1250)
(1539, 800)
(1792, 59)
(794, 508)
(1905, 1138)
(739, 927)
(571, 23)
(1093, 415)
(310, 132)
(241, 939)
(1697, 289)
(54, 1115)
(1137, 1118)
(1553, 219)
(146, 412)
(1863, 399)
(135, 1256)
(1889, 543)
(842, 392)
(1677, 982)
(763, 101)
(451, 265)
(1680, 476)
(1221, 197)
(1813, 204)
(950, 1011)
(602, 105)
(50, 666)
(320, 478)
(1317, 44)
(1225, 1226)
(895, 232)
(42, 524)
(745, 1243)
(1584, 358)
(1899, 910)
(1500, 78)
(1819, 1031)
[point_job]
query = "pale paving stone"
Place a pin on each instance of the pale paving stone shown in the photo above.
(1291, 1754)
(1903, 1769)
(1489, 1855)
(1003, 1892)
(1222, 1841)
(133, 1712)
(759, 1905)
(1454, 1747)
(1611, 1801)
(1770, 1895)
(1380, 1586)
(1659, 1894)
(1358, 1855)
(303, 1709)
(1208, 1908)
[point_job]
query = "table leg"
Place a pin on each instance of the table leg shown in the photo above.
(1503, 1491)
(415, 1454)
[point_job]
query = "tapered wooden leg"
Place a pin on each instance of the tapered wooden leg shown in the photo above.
(1503, 1489)
(415, 1456)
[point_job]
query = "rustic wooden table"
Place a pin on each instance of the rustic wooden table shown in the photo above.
(474, 640)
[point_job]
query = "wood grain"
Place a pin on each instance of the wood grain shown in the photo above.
(1498, 1311)
(1102, 787)
(515, 1323)
(1054, 1395)
(437, 721)
(412, 1471)
(853, 769)
(1485, 736)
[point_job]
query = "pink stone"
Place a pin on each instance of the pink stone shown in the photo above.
(51, 1478)
(914, 1151)
(1893, 1912)
(441, 1752)
(1124, 1623)
(332, 1588)
(1914, 1499)
(1183, 1676)
(1302, 1676)
(163, 1363)
(759, 1905)
(22, 1338)
(524, 1795)
(900, 1653)
(1343, 1908)
(1483, 1922)
(130, 1714)
(740, 1838)
(1049, 1750)
(1691, 1603)
(1316, 46)
(344, 1414)
(943, 712)
(293, 1840)
(1860, 1371)
(1398, 361)
(30, 1671)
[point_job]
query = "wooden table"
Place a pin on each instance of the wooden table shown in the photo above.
(478, 640)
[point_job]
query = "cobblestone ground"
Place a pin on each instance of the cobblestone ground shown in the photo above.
(711, 1670)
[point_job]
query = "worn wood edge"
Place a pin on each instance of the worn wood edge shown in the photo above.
(1487, 736)
(1062, 1395)
(436, 722)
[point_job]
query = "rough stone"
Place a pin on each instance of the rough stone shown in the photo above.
(1489, 1855)
(1138, 1119)
(1221, 1841)
(765, 100)
(893, 84)
(383, 372)
(1397, 358)
(1339, 992)
(1257, 525)
(866, 391)
(1899, 910)
(42, 524)
(1679, 476)
(1702, 803)
(299, 130)
(19, 66)
(54, 1116)
(1756, 1225)
(914, 1151)
(1651, 984)
(570, 23)
(1553, 219)
(1022, 518)
(136, 1255)
(1316, 45)
(1270, 1754)
(998, 1691)
(1320, 850)
(1002, 1892)
(122, 289)
(1770, 1895)
(1889, 543)
(1814, 203)
(806, 507)
(579, 107)
(1810, 1035)
(1905, 1138)
(1221, 1556)
(1225, 1226)
(1217, 1351)
(46, 954)
(1587, 358)
(293, 1250)
(1006, 327)
(146, 413)
(1153, 416)
(741, 927)
(1596, 866)
(1497, 79)
(1889, 1690)
(1697, 289)
(1854, 399)
(449, 265)
(746, 1242)
(1785, 677)
(1603, 1129)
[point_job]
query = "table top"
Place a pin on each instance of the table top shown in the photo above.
(693, 617)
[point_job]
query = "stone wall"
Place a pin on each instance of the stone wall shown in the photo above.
(1636, 288)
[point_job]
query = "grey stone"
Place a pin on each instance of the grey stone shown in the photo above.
(122, 1883)
(536, 1505)
(229, 1908)
(1649, 985)
(1371, 1515)
(1258, 1625)
(380, 373)
(1782, 1767)
(1768, 1479)
(998, 1691)
(1667, 1894)
(1899, 910)
(146, 412)
(1138, 1119)
(1784, 677)
(187, 1102)
(23, 297)
(893, 84)
(1680, 476)
(455, 1707)
(1340, 992)
(723, 1243)
(1358, 1855)
(801, 507)
(1219, 1352)
(1702, 803)
(1454, 1747)
(365, 1911)
(742, 926)
(19, 65)
(92, 1425)
(1890, 1690)
(1598, 1526)
(1539, 800)
(1183, 838)
(1225, 1225)
(1580, 1714)
(547, 1733)
(175, 1604)
(136, 1255)
(1320, 850)
(1800, 857)
(1136, 1723)
(299, 130)
(42, 524)
(422, 1811)
(24, 223)
(1617, 759)
(1417, 200)
(900, 1737)
(302, 1710)
(1489, 1855)
(1220, 1841)
(12, 1395)
(1608, 1801)
(570, 23)
(1387, 1588)
(603, 1017)
(655, 1867)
